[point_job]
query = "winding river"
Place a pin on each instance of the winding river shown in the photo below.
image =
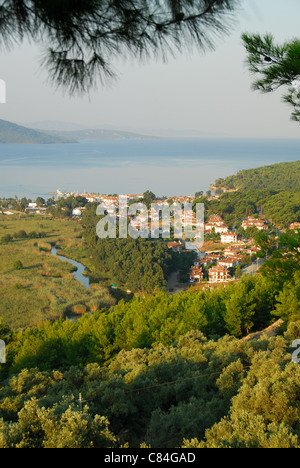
(78, 274)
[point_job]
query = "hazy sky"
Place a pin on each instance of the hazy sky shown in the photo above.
(208, 93)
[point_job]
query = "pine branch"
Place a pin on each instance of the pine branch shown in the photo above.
(276, 66)
(85, 35)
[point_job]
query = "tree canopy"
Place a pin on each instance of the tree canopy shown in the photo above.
(273, 189)
(162, 370)
(82, 37)
(195, 393)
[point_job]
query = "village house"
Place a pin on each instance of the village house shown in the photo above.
(208, 228)
(161, 203)
(294, 226)
(216, 220)
(239, 257)
(217, 228)
(229, 262)
(218, 274)
(140, 224)
(221, 229)
(109, 207)
(231, 251)
(33, 208)
(253, 250)
(41, 210)
(209, 258)
(196, 274)
(108, 200)
(60, 195)
(78, 211)
(213, 257)
(131, 197)
(251, 221)
(229, 238)
(175, 246)
(91, 198)
(183, 199)
(188, 218)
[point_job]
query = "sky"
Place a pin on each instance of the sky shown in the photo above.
(201, 94)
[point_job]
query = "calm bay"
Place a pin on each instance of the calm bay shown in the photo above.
(165, 166)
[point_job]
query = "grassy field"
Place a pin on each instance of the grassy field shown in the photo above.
(44, 287)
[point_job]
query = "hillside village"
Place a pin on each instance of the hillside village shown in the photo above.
(221, 264)
(194, 321)
(225, 261)
(212, 267)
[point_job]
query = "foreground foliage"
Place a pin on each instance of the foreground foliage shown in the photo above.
(251, 304)
(163, 371)
(224, 392)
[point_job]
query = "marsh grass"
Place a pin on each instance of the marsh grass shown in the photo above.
(44, 289)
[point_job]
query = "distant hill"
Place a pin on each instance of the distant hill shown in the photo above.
(100, 134)
(55, 126)
(282, 176)
(11, 133)
(62, 126)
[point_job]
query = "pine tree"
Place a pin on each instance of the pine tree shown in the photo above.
(81, 37)
(276, 66)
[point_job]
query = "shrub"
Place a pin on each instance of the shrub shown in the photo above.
(6, 239)
(18, 265)
(20, 235)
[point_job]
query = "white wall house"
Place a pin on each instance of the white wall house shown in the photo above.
(229, 238)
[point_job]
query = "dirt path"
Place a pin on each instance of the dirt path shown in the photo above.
(173, 285)
(269, 331)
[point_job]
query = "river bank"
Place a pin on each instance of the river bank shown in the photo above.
(80, 269)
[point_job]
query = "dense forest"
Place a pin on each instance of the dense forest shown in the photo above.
(282, 208)
(281, 176)
(135, 264)
(195, 393)
(272, 191)
(163, 371)
(139, 265)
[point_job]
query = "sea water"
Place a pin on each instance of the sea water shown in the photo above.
(165, 166)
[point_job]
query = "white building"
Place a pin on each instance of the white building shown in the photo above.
(78, 211)
(218, 274)
(251, 221)
(229, 238)
(221, 229)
